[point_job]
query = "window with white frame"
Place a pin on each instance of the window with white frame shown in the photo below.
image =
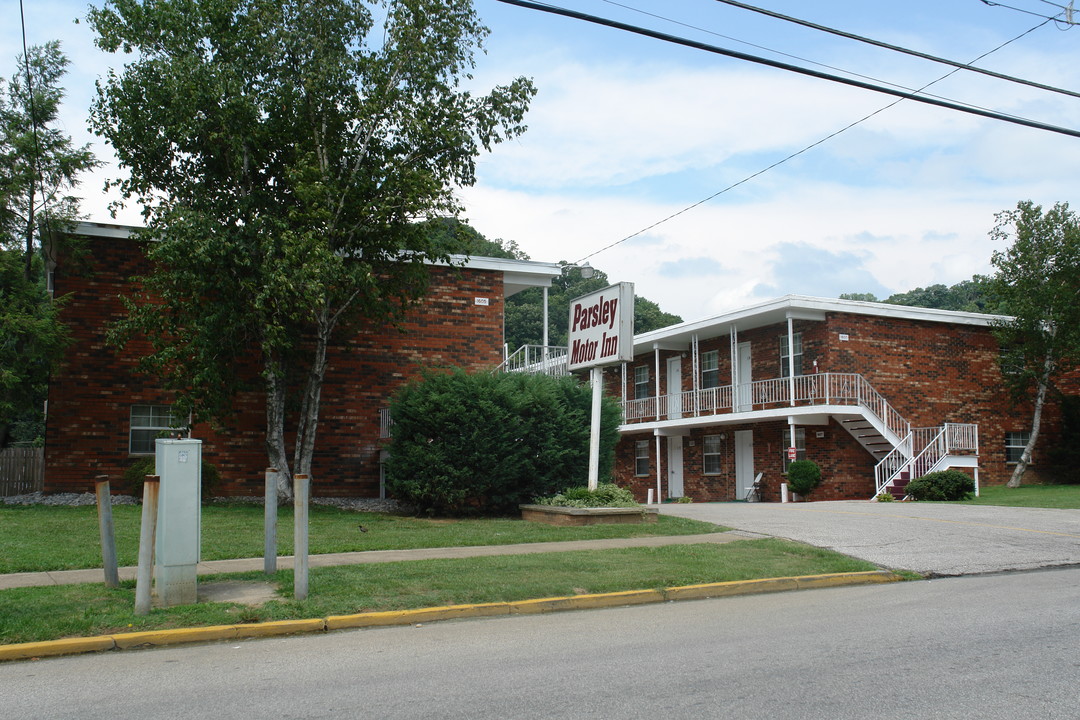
(799, 445)
(641, 382)
(785, 354)
(710, 369)
(641, 458)
(711, 459)
(149, 422)
(1015, 442)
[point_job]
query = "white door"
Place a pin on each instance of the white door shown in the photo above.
(744, 463)
(674, 463)
(745, 375)
(674, 388)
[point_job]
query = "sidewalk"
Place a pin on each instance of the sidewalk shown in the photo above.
(213, 567)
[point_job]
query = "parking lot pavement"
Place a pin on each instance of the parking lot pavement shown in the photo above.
(930, 538)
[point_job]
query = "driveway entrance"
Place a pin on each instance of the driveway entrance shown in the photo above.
(929, 538)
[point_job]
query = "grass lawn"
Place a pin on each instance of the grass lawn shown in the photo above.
(43, 613)
(1043, 496)
(38, 537)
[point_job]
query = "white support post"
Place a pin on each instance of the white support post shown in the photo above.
(270, 522)
(659, 475)
(791, 364)
(656, 382)
(300, 536)
(597, 374)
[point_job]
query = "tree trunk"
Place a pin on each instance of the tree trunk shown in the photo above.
(1036, 423)
(275, 426)
(309, 408)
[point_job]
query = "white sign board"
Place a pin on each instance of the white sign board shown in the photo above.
(602, 327)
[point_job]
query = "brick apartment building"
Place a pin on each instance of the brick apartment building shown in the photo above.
(873, 393)
(103, 415)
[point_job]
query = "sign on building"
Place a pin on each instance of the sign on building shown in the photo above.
(602, 327)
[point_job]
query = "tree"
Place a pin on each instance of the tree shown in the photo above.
(38, 163)
(283, 152)
(39, 168)
(1038, 280)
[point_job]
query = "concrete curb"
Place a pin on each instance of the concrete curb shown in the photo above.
(156, 638)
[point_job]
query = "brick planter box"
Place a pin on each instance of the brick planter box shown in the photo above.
(553, 515)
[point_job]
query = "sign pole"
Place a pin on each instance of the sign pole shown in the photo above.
(597, 374)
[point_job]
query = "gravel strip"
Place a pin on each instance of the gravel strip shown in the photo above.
(75, 499)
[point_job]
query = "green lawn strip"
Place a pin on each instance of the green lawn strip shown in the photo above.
(36, 537)
(1065, 497)
(44, 613)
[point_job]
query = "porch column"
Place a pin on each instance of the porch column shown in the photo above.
(545, 320)
(659, 475)
(656, 361)
(791, 362)
(734, 334)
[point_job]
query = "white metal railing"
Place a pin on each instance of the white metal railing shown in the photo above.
(923, 451)
(538, 359)
(828, 388)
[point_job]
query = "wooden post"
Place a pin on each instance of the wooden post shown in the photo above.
(300, 536)
(147, 532)
(270, 522)
(108, 534)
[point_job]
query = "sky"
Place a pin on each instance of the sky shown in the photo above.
(627, 131)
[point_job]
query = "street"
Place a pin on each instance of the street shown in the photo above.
(990, 646)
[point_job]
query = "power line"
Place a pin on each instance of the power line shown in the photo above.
(899, 49)
(1068, 11)
(779, 52)
(791, 68)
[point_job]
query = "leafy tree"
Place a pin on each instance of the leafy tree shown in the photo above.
(974, 295)
(1038, 280)
(861, 297)
(39, 168)
(283, 153)
(487, 442)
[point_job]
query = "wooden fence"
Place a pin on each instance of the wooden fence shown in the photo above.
(22, 470)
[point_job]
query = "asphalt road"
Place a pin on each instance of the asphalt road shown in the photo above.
(930, 538)
(993, 647)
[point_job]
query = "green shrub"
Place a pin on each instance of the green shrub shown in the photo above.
(484, 443)
(885, 496)
(803, 476)
(605, 495)
(135, 474)
(944, 485)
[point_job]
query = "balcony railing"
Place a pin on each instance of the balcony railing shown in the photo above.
(775, 393)
(538, 359)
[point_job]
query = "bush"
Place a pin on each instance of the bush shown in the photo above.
(466, 444)
(134, 477)
(605, 495)
(803, 476)
(944, 485)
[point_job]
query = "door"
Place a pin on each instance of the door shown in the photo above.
(674, 388)
(744, 403)
(744, 463)
(674, 463)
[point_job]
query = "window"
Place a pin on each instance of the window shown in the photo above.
(148, 422)
(1015, 442)
(641, 382)
(710, 369)
(784, 354)
(710, 455)
(799, 444)
(641, 458)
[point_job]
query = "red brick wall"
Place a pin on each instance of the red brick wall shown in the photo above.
(90, 397)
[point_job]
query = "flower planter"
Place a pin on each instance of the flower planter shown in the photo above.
(554, 515)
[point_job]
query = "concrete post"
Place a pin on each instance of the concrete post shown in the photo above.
(108, 534)
(270, 522)
(147, 532)
(300, 536)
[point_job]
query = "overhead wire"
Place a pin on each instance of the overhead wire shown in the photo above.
(784, 54)
(562, 11)
(898, 48)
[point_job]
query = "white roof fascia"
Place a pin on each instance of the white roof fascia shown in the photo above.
(518, 275)
(801, 307)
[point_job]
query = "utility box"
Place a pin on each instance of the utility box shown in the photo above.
(179, 522)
